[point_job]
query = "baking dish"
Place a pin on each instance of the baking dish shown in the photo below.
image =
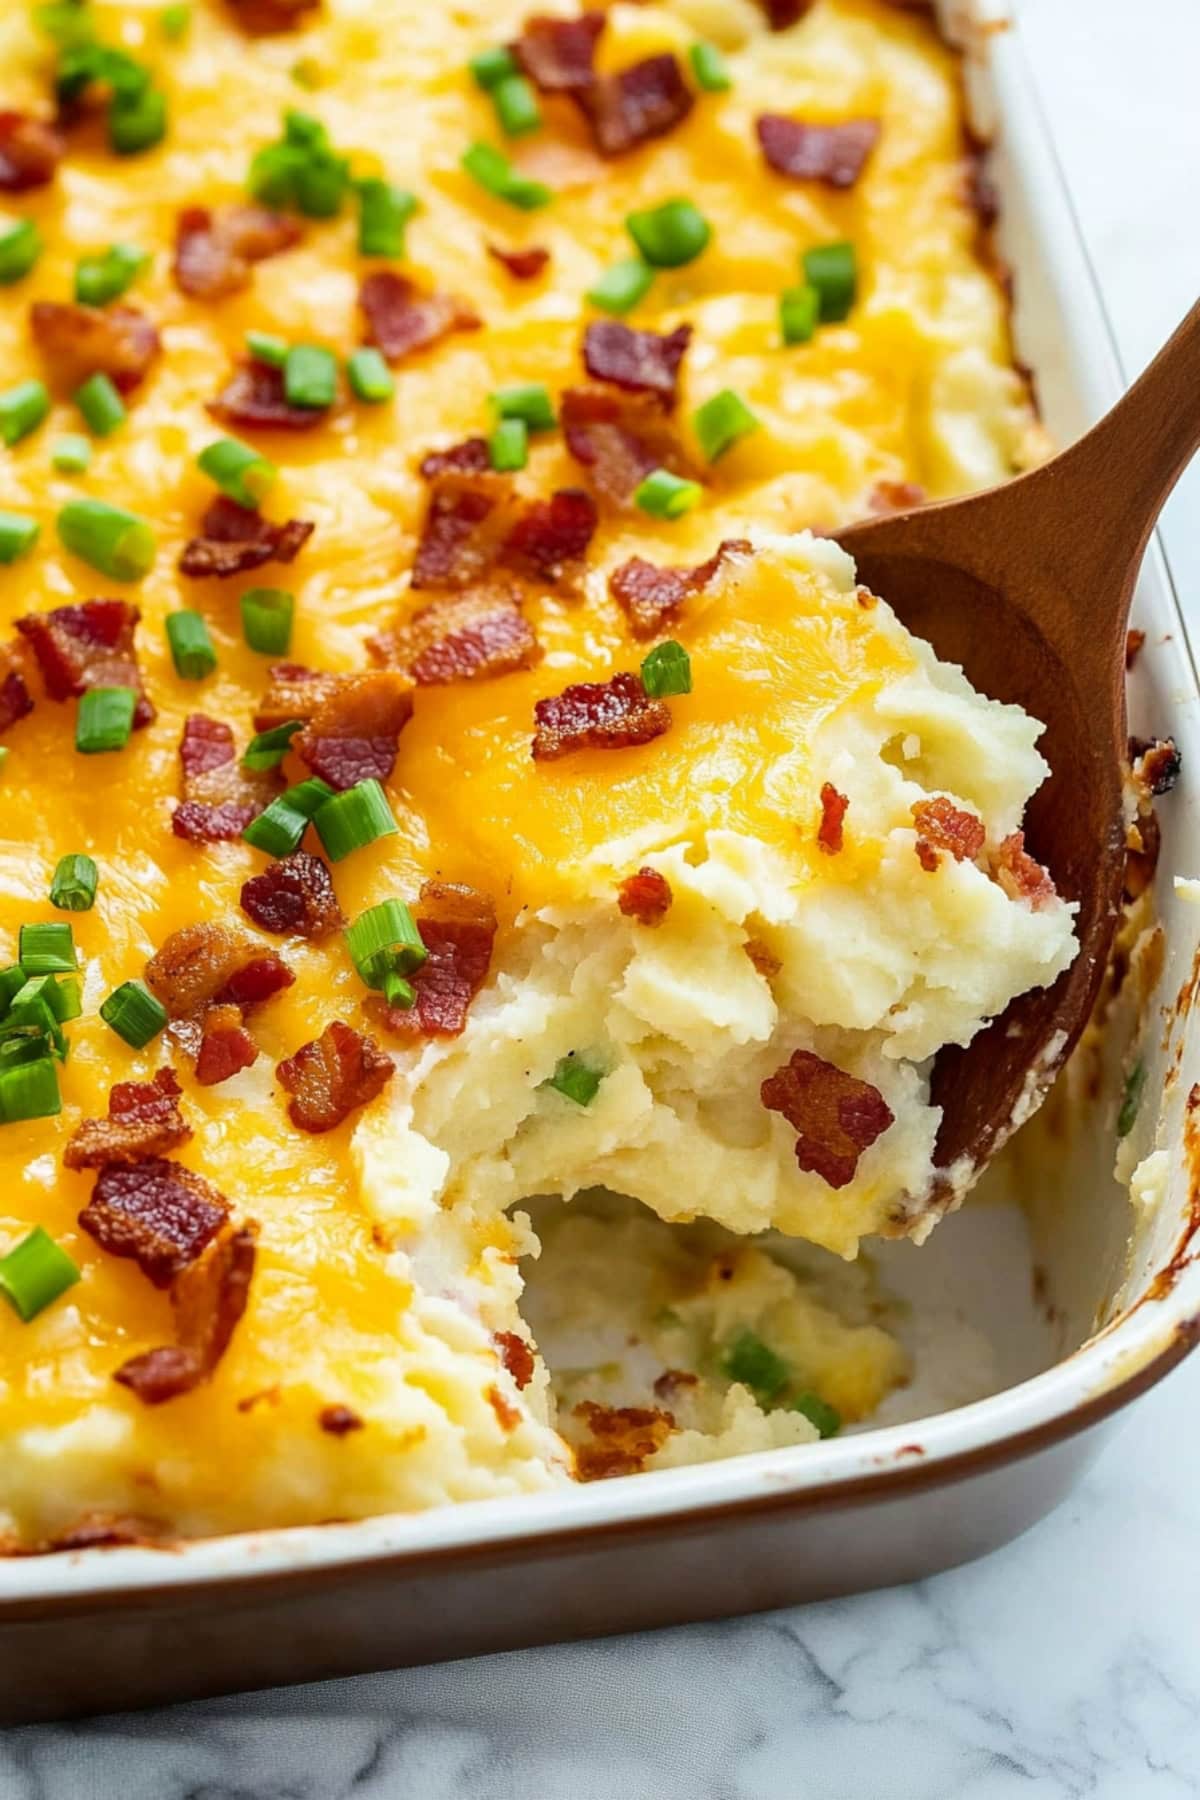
(884, 1506)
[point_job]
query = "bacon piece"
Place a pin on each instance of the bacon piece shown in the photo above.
(1021, 877)
(645, 362)
(220, 797)
(522, 265)
(550, 538)
(516, 1355)
(642, 102)
(401, 320)
(156, 1212)
(78, 341)
(651, 596)
(597, 715)
(203, 963)
(294, 897)
(1155, 763)
(836, 1115)
(255, 397)
(622, 1437)
(215, 251)
(943, 826)
(268, 18)
(226, 1047)
(88, 646)
(471, 457)
(645, 896)
(234, 539)
(895, 496)
(466, 522)
(619, 438)
(458, 928)
(559, 55)
(15, 700)
(472, 636)
(830, 835)
(834, 154)
(30, 152)
(354, 733)
(258, 980)
(295, 693)
(782, 13)
(207, 1299)
(331, 1076)
(339, 1420)
(143, 1121)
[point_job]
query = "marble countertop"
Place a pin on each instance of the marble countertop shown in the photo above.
(1065, 1665)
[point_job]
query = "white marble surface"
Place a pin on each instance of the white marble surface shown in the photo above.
(1066, 1665)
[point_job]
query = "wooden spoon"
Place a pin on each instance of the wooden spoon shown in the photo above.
(1028, 587)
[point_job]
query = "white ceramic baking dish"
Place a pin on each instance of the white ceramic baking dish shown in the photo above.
(1081, 1322)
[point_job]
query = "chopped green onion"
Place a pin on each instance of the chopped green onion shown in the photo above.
(384, 940)
(134, 1013)
(37, 1270)
(68, 22)
(492, 66)
(65, 998)
(1135, 1083)
(137, 122)
(303, 170)
(516, 105)
(29, 1091)
(47, 949)
(667, 670)
(268, 749)
(242, 473)
(620, 288)
(751, 1362)
(267, 619)
(31, 1020)
(670, 235)
(398, 992)
(12, 980)
(721, 421)
(99, 279)
(73, 888)
(508, 446)
(354, 819)
(575, 1080)
(71, 454)
(710, 68)
(799, 310)
(20, 247)
(528, 400)
(174, 22)
(279, 829)
(310, 376)
(112, 540)
(383, 212)
(667, 496)
(832, 269)
(265, 347)
(493, 171)
(818, 1412)
(191, 646)
(22, 409)
(102, 407)
(18, 535)
(85, 62)
(369, 376)
(104, 720)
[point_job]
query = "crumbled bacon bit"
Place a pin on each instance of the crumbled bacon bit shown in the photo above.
(645, 896)
(619, 438)
(622, 1437)
(294, 897)
(830, 835)
(549, 540)
(203, 963)
(144, 1120)
(522, 265)
(339, 1420)
(597, 715)
(1134, 641)
(215, 251)
(30, 151)
(943, 826)
(471, 636)
(836, 1116)
(517, 1356)
(295, 693)
(651, 596)
(1021, 877)
(637, 104)
(465, 524)
(207, 1299)
(78, 341)
(895, 496)
(834, 154)
(220, 797)
(88, 646)
(1155, 763)
(471, 457)
(668, 1384)
(156, 1212)
(458, 928)
(332, 1075)
(401, 320)
(234, 539)
(256, 981)
(15, 700)
(255, 397)
(267, 18)
(353, 734)
(559, 55)
(644, 362)
(226, 1047)
(782, 13)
